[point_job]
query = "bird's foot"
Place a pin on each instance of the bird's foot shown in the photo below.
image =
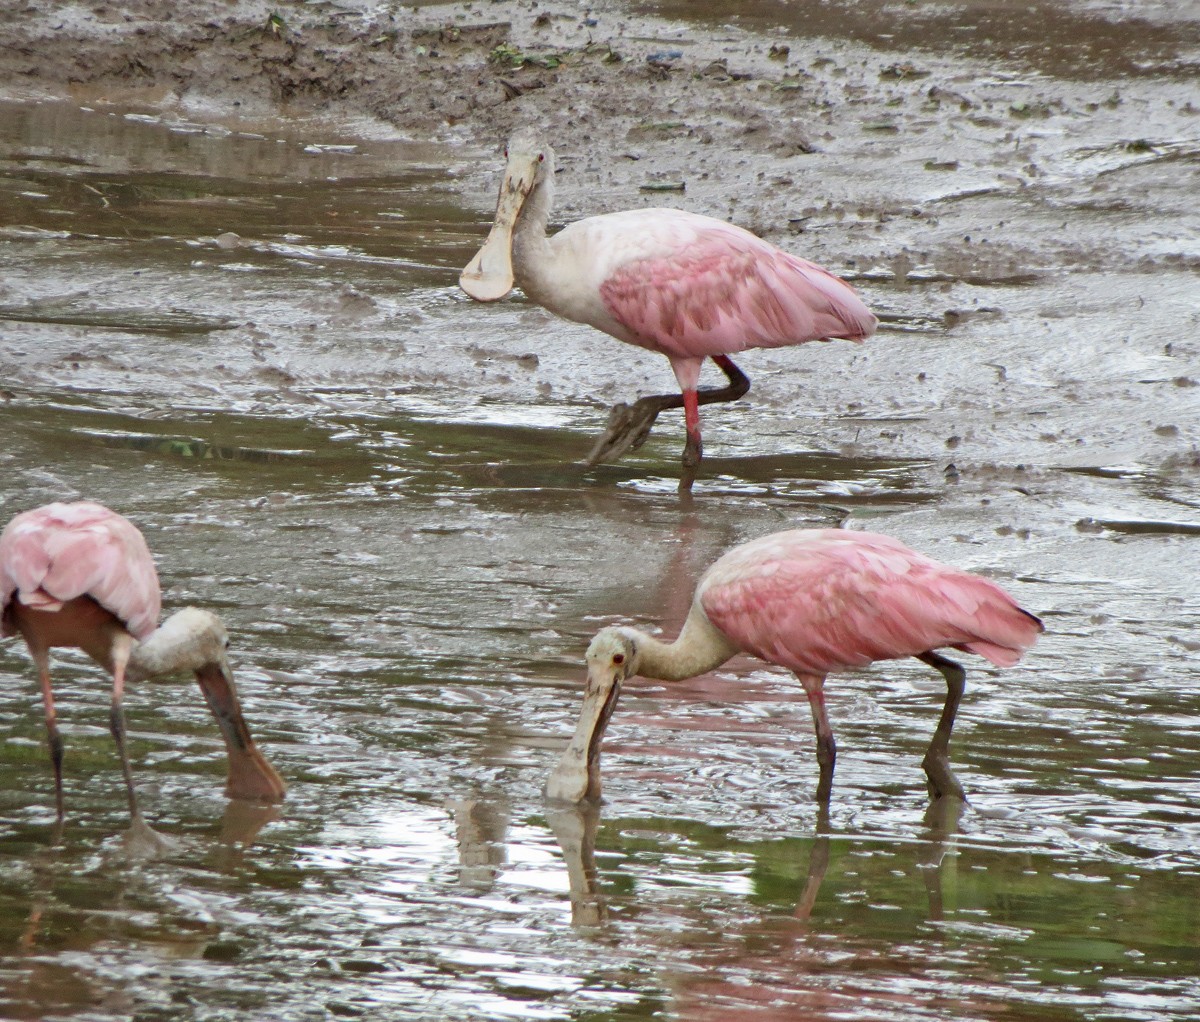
(940, 778)
(141, 841)
(629, 426)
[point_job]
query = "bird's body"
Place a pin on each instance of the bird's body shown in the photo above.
(687, 286)
(822, 601)
(816, 602)
(55, 554)
(81, 575)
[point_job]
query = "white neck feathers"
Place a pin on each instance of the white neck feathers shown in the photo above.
(699, 648)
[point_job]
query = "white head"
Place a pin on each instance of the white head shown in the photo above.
(528, 149)
(612, 657)
(197, 635)
(613, 654)
(529, 169)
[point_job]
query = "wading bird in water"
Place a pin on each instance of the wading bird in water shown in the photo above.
(687, 286)
(81, 575)
(814, 601)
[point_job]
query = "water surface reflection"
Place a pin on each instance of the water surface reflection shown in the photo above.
(410, 561)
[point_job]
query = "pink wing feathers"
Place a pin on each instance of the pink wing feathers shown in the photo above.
(726, 290)
(62, 551)
(818, 601)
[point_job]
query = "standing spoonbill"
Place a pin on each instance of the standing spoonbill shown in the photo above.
(81, 575)
(814, 601)
(687, 286)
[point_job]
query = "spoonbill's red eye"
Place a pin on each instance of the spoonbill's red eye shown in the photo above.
(618, 658)
(506, 152)
(541, 157)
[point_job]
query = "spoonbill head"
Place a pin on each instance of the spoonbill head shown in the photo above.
(612, 657)
(528, 169)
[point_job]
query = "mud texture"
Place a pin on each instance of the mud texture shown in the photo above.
(228, 307)
(1012, 180)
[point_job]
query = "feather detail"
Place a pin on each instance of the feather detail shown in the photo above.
(60, 552)
(723, 290)
(820, 601)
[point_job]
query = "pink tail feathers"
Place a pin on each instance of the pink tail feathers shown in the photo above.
(846, 315)
(1006, 632)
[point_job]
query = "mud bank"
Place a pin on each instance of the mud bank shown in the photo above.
(1019, 213)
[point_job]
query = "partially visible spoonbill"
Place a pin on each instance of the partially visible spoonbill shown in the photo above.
(814, 601)
(81, 575)
(687, 286)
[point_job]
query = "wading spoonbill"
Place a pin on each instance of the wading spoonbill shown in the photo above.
(814, 601)
(81, 575)
(687, 286)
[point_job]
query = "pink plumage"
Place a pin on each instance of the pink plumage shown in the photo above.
(716, 289)
(59, 552)
(80, 575)
(822, 601)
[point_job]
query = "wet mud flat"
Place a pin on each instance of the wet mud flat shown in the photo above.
(239, 325)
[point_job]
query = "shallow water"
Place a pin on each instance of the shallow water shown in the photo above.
(377, 486)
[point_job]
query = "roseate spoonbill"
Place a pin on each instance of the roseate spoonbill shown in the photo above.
(81, 575)
(815, 601)
(687, 286)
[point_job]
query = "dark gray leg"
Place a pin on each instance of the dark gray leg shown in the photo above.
(942, 781)
(116, 724)
(826, 745)
(140, 839)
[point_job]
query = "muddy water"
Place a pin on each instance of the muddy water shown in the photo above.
(248, 339)
(1085, 40)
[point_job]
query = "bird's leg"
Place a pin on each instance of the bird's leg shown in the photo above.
(121, 648)
(941, 778)
(826, 745)
(739, 383)
(693, 450)
(141, 840)
(41, 657)
(629, 425)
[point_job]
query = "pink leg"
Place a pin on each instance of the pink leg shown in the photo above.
(41, 657)
(693, 451)
(629, 425)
